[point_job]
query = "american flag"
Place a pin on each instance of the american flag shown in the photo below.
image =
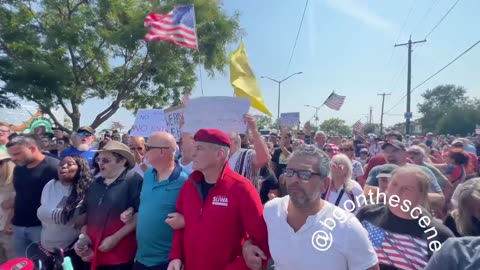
(358, 126)
(178, 26)
(334, 101)
(399, 250)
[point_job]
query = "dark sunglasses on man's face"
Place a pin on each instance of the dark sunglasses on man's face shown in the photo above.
(346, 149)
(148, 148)
(84, 134)
(103, 160)
(302, 174)
(328, 150)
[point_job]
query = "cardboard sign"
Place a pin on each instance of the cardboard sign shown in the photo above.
(290, 119)
(148, 121)
(173, 115)
(224, 113)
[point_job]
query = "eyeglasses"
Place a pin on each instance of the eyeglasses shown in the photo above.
(103, 160)
(84, 134)
(302, 174)
(138, 148)
(346, 149)
(328, 150)
(148, 147)
(4, 131)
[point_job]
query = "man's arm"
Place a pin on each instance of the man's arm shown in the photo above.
(251, 214)
(176, 252)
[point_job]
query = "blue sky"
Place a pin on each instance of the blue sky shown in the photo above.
(346, 46)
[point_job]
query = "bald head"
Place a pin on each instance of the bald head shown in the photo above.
(162, 139)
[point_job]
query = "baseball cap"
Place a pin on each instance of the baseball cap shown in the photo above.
(395, 143)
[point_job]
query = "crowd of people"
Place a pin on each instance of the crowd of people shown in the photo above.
(294, 199)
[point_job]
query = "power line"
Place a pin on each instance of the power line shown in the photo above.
(441, 20)
(401, 30)
(434, 74)
(451, 62)
(426, 14)
(298, 34)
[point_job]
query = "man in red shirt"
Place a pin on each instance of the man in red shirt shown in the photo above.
(220, 208)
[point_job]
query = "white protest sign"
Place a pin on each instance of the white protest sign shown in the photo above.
(224, 113)
(290, 119)
(173, 115)
(148, 121)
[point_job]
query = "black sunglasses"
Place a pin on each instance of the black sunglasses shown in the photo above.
(302, 174)
(148, 148)
(346, 149)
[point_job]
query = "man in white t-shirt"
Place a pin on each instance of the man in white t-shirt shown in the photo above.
(306, 232)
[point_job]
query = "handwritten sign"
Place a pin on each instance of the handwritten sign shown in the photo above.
(224, 113)
(173, 115)
(290, 119)
(148, 121)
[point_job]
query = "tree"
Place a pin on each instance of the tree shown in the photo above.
(459, 120)
(438, 102)
(7, 102)
(335, 126)
(117, 125)
(264, 122)
(60, 53)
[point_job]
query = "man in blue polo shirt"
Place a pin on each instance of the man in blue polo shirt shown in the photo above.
(161, 185)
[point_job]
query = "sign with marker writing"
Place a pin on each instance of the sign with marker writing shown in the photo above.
(173, 115)
(224, 113)
(148, 121)
(291, 119)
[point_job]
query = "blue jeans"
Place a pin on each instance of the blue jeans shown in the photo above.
(23, 237)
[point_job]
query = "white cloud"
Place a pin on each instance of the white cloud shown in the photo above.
(360, 12)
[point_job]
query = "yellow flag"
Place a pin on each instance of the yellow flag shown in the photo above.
(243, 80)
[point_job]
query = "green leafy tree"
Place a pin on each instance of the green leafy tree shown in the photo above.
(6, 101)
(264, 122)
(460, 120)
(335, 126)
(438, 102)
(60, 53)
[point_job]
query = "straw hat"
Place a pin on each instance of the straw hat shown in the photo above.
(121, 149)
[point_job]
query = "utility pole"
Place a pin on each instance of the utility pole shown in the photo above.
(408, 114)
(370, 119)
(381, 115)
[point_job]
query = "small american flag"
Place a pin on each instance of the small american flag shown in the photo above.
(358, 126)
(334, 101)
(178, 26)
(399, 250)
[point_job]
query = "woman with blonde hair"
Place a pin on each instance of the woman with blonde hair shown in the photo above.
(348, 149)
(464, 220)
(6, 206)
(342, 188)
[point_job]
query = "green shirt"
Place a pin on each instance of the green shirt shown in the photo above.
(3, 147)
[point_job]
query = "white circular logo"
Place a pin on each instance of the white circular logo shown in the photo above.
(322, 240)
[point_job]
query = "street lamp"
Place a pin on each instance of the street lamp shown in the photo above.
(279, 86)
(316, 113)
